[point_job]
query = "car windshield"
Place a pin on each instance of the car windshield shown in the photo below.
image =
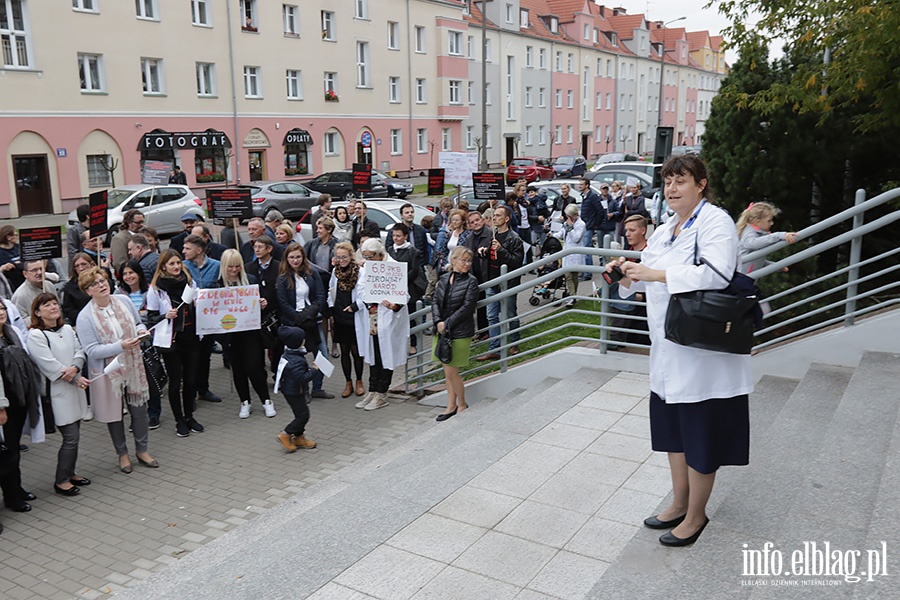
(253, 189)
(116, 196)
(522, 162)
(564, 160)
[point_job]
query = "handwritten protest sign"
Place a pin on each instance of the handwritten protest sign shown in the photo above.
(458, 166)
(227, 310)
(384, 281)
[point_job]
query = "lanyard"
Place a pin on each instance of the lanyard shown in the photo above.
(690, 221)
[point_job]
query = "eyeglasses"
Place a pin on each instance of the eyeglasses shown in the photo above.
(141, 222)
(96, 283)
(342, 258)
(368, 255)
(465, 261)
(35, 270)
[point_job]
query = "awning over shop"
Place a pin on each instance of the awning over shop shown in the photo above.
(163, 140)
(297, 136)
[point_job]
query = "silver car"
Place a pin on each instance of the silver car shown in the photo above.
(290, 198)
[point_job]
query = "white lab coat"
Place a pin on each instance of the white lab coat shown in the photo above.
(681, 374)
(393, 332)
(572, 238)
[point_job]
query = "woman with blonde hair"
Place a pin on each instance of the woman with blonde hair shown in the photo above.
(179, 345)
(284, 235)
(455, 234)
(754, 228)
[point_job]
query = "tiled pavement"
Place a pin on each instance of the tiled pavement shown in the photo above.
(123, 528)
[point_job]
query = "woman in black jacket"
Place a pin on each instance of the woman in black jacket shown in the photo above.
(73, 298)
(453, 310)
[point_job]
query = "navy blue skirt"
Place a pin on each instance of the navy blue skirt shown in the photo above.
(711, 434)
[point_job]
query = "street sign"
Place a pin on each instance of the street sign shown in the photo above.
(366, 139)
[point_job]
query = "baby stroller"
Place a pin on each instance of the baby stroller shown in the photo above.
(548, 289)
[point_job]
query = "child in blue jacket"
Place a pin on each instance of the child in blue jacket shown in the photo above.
(292, 380)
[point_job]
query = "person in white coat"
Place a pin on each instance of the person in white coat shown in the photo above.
(698, 398)
(57, 352)
(382, 334)
(571, 235)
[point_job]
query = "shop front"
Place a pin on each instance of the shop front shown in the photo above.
(210, 147)
(296, 152)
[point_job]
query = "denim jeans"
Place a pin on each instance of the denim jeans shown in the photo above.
(588, 241)
(493, 315)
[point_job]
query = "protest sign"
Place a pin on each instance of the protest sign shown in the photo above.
(99, 206)
(435, 182)
(39, 243)
(488, 186)
(230, 203)
(227, 310)
(156, 172)
(362, 178)
(384, 281)
(458, 166)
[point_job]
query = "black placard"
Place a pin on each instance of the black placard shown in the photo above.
(99, 204)
(39, 243)
(229, 203)
(488, 186)
(362, 178)
(435, 182)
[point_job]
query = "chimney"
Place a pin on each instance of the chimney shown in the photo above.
(618, 11)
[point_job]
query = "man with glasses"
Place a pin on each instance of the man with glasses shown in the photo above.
(131, 222)
(35, 283)
(256, 228)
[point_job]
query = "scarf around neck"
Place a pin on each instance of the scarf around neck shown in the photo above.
(347, 276)
(131, 376)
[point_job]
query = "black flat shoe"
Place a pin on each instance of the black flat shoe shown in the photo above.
(80, 481)
(24, 507)
(445, 416)
(72, 491)
(667, 539)
(28, 496)
(655, 523)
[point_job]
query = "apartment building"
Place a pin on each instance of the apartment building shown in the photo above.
(248, 90)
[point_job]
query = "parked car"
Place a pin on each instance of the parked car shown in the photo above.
(608, 176)
(614, 157)
(396, 188)
(646, 168)
(530, 168)
(289, 198)
(162, 206)
(553, 189)
(569, 166)
(340, 185)
(386, 213)
(682, 150)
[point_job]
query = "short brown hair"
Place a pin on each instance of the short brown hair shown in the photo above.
(641, 220)
(688, 164)
(40, 300)
(89, 276)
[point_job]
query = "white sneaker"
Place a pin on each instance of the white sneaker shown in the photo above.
(89, 415)
(378, 401)
(365, 400)
(269, 407)
(245, 410)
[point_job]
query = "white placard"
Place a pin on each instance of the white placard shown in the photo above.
(323, 365)
(383, 280)
(228, 309)
(458, 167)
(162, 334)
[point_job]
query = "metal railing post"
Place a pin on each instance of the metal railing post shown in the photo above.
(604, 302)
(420, 342)
(504, 315)
(855, 256)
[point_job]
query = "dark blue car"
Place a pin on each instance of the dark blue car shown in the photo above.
(569, 166)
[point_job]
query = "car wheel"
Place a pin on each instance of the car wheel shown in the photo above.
(349, 196)
(536, 179)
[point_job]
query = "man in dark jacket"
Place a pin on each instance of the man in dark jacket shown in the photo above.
(593, 213)
(363, 224)
(265, 268)
(481, 237)
(213, 249)
(188, 220)
(402, 250)
(418, 237)
(506, 249)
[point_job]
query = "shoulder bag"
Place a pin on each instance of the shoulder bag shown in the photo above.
(719, 320)
(156, 370)
(444, 350)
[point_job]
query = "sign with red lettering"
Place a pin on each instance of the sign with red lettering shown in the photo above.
(229, 203)
(228, 309)
(435, 182)
(40, 243)
(99, 205)
(383, 280)
(488, 186)
(362, 178)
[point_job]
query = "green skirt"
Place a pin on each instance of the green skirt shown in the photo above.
(460, 347)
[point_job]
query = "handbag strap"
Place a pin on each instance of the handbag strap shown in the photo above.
(698, 260)
(446, 299)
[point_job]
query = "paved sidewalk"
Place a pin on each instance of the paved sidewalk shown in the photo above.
(123, 528)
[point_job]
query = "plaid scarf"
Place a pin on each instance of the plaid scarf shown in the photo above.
(131, 376)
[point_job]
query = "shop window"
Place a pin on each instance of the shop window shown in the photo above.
(296, 159)
(210, 165)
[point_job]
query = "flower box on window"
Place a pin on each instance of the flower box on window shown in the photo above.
(208, 177)
(330, 96)
(296, 171)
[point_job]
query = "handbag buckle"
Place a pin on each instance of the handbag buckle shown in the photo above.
(728, 327)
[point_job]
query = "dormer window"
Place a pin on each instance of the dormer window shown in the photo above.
(612, 37)
(554, 25)
(523, 18)
(596, 35)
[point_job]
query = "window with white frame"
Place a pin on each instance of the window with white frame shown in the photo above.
(630, 101)
(470, 92)
(146, 9)
(289, 17)
(608, 101)
(529, 57)
(569, 134)
(623, 71)
(470, 47)
(470, 136)
(557, 134)
(90, 70)
(200, 13)
(152, 76)
(328, 30)
(587, 31)
(91, 6)
(252, 82)
(393, 35)
(332, 144)
(528, 135)
(455, 43)
(249, 15)
(542, 135)
(206, 79)
(570, 99)
(362, 65)
(489, 100)
(554, 25)
(510, 13)
(455, 92)
(361, 9)
(558, 96)
(570, 63)
(528, 96)
(597, 131)
(394, 89)
(488, 139)
(596, 35)
(396, 141)
(487, 50)
(524, 21)
(330, 82)
(99, 170)
(599, 67)
(510, 87)
(631, 71)
(607, 132)
(421, 140)
(621, 101)
(421, 96)
(294, 83)
(542, 58)
(558, 63)
(419, 38)
(609, 67)
(599, 100)
(542, 97)
(446, 139)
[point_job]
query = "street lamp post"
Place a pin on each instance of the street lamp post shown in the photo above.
(662, 69)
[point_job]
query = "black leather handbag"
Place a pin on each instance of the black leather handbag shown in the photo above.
(719, 320)
(444, 349)
(157, 377)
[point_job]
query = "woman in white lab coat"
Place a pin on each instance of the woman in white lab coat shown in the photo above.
(698, 398)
